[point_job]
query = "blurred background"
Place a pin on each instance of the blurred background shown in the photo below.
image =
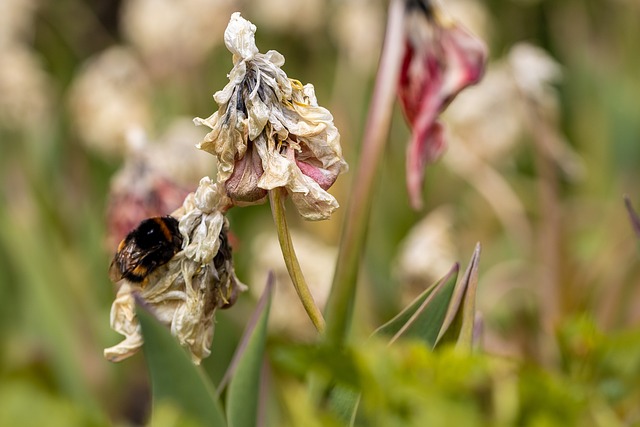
(96, 102)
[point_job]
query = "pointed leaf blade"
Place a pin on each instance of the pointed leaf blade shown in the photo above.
(458, 325)
(174, 378)
(424, 316)
(244, 387)
(421, 319)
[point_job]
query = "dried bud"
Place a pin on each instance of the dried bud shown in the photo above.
(441, 58)
(185, 292)
(269, 131)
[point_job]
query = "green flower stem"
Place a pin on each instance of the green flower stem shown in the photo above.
(276, 199)
(341, 300)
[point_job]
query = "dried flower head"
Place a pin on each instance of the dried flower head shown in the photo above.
(185, 292)
(155, 177)
(441, 58)
(139, 190)
(27, 99)
(269, 131)
(17, 19)
(108, 99)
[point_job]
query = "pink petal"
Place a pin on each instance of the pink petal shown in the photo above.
(425, 146)
(242, 185)
(325, 178)
(439, 62)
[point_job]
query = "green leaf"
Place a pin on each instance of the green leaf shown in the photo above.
(244, 389)
(458, 325)
(344, 402)
(424, 317)
(174, 379)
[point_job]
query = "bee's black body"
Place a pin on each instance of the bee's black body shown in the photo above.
(153, 243)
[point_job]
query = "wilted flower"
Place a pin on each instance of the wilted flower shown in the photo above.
(17, 19)
(185, 292)
(26, 101)
(108, 99)
(269, 131)
(441, 58)
(144, 187)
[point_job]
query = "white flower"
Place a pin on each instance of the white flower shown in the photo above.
(269, 131)
(185, 292)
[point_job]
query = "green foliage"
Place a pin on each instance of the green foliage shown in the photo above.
(244, 389)
(174, 379)
(424, 317)
(24, 404)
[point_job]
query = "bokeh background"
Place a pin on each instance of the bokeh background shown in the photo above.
(96, 102)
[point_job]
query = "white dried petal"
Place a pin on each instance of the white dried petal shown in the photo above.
(184, 293)
(202, 224)
(123, 321)
(239, 37)
(262, 109)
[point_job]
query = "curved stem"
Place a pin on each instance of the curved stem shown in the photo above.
(276, 200)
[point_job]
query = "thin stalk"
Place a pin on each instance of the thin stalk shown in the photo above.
(276, 199)
(341, 300)
(548, 233)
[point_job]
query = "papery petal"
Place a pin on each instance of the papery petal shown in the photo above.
(278, 169)
(242, 185)
(226, 141)
(184, 293)
(466, 56)
(277, 119)
(311, 201)
(258, 118)
(202, 225)
(124, 321)
(239, 37)
(315, 204)
(275, 58)
(324, 177)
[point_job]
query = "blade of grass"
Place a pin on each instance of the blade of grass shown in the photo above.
(245, 370)
(423, 318)
(174, 378)
(43, 286)
(458, 325)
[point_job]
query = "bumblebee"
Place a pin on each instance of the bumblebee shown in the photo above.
(152, 244)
